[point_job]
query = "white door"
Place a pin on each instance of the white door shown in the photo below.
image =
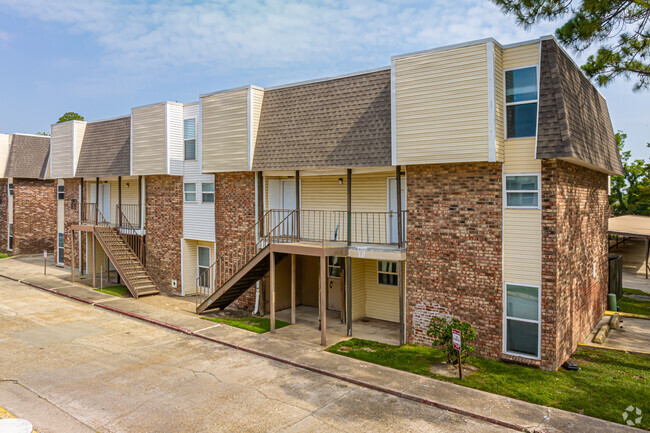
(282, 196)
(335, 267)
(392, 207)
(104, 203)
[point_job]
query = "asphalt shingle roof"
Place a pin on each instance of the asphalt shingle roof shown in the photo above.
(343, 122)
(573, 116)
(28, 156)
(105, 150)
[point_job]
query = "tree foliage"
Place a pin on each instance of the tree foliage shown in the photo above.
(630, 192)
(440, 329)
(621, 26)
(70, 115)
(43, 133)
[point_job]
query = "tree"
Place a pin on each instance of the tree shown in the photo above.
(440, 330)
(70, 115)
(622, 26)
(630, 192)
(43, 133)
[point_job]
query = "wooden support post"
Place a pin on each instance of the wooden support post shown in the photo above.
(260, 202)
(119, 201)
(272, 298)
(349, 185)
(647, 253)
(398, 187)
(402, 315)
(322, 286)
(141, 223)
(297, 218)
(72, 253)
(348, 295)
(96, 201)
(108, 269)
(293, 289)
(92, 236)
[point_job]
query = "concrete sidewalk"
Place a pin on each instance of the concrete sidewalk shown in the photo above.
(175, 313)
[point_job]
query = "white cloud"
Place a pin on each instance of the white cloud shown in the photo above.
(142, 36)
(5, 38)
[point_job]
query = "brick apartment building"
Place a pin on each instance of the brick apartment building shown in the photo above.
(466, 181)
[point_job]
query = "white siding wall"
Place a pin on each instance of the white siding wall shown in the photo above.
(62, 150)
(80, 130)
(175, 138)
(4, 152)
(198, 218)
(190, 263)
(148, 151)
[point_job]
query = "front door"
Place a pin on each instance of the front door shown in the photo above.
(392, 207)
(104, 202)
(334, 284)
(282, 195)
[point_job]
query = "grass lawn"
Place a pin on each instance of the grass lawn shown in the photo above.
(3, 256)
(118, 291)
(606, 384)
(254, 324)
(634, 306)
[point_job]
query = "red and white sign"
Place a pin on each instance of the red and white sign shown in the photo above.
(44, 254)
(456, 338)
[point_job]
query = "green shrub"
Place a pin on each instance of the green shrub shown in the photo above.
(440, 330)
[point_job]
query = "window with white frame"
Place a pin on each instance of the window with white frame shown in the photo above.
(60, 189)
(521, 102)
(11, 236)
(522, 327)
(387, 273)
(207, 192)
(204, 266)
(189, 190)
(334, 267)
(522, 191)
(189, 136)
(11, 188)
(60, 248)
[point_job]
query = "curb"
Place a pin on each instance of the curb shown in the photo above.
(348, 379)
(613, 349)
(631, 315)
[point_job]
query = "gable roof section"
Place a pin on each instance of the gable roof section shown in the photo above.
(28, 156)
(105, 149)
(339, 123)
(573, 117)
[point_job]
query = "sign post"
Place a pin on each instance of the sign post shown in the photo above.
(456, 340)
(44, 262)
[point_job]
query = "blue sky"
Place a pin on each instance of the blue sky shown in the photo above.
(102, 57)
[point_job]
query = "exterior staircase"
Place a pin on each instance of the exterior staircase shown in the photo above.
(131, 270)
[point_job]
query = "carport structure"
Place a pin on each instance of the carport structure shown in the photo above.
(633, 226)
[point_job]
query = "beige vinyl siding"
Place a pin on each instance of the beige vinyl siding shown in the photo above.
(62, 150)
(358, 288)
(382, 302)
(499, 97)
(100, 259)
(441, 106)
(225, 131)
(129, 194)
(520, 156)
(258, 98)
(80, 130)
(4, 153)
(524, 55)
(191, 263)
(522, 246)
(149, 151)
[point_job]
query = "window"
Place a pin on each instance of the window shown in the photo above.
(521, 102)
(60, 249)
(190, 191)
(334, 267)
(11, 189)
(387, 273)
(189, 136)
(522, 191)
(522, 320)
(207, 192)
(60, 192)
(204, 267)
(11, 236)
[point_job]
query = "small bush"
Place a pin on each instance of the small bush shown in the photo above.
(440, 330)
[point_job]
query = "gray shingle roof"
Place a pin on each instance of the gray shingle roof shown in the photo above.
(105, 150)
(28, 156)
(573, 116)
(343, 122)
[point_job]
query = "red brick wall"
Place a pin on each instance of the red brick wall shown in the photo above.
(71, 208)
(575, 254)
(4, 216)
(34, 216)
(164, 230)
(234, 215)
(454, 249)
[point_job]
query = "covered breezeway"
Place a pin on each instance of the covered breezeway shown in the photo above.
(631, 227)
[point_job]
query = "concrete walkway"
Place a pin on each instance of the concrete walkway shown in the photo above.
(168, 312)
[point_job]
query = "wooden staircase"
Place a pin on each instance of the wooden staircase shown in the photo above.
(126, 262)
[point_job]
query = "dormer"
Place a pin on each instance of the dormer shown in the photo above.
(157, 145)
(66, 139)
